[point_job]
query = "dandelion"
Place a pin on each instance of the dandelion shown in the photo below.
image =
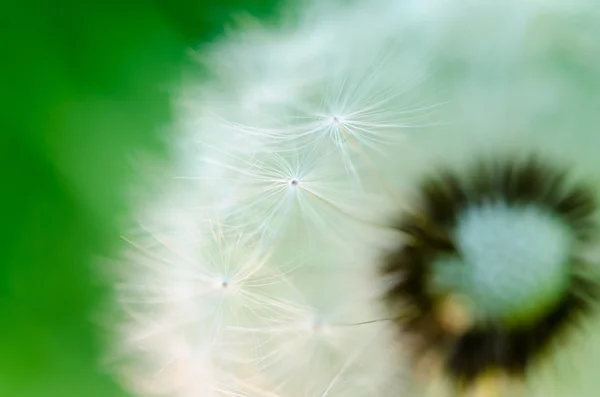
(331, 235)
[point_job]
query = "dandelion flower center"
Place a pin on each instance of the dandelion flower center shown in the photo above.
(512, 262)
(491, 271)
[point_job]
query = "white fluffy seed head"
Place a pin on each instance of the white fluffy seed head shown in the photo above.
(258, 277)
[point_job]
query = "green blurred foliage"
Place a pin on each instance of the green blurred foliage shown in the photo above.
(85, 85)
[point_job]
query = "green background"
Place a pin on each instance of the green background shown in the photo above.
(85, 85)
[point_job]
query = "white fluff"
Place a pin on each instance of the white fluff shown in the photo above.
(249, 277)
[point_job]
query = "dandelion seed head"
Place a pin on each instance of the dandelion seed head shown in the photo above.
(259, 274)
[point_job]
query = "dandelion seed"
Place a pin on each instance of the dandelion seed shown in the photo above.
(271, 194)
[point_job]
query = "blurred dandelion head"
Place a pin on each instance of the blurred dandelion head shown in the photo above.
(492, 269)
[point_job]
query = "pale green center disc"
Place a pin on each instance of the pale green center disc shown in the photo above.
(512, 263)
